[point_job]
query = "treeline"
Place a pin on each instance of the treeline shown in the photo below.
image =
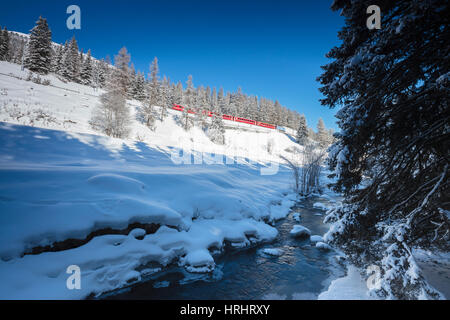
(39, 54)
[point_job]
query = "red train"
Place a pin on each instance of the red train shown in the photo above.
(230, 118)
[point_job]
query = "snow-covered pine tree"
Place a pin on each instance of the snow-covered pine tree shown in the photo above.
(208, 98)
(154, 86)
(221, 101)
(39, 48)
(112, 116)
(200, 108)
(233, 104)
(178, 95)
(214, 103)
(216, 131)
(322, 134)
(4, 44)
(188, 103)
(153, 94)
(1, 44)
(86, 70)
(71, 62)
(103, 73)
(392, 85)
(132, 82)
(57, 60)
(164, 99)
(277, 113)
(139, 89)
(252, 109)
(302, 131)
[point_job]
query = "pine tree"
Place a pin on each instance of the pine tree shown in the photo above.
(139, 91)
(103, 73)
(178, 94)
(200, 108)
(392, 85)
(189, 94)
(214, 101)
(188, 101)
(57, 60)
(71, 61)
(153, 94)
(86, 70)
(221, 101)
(164, 97)
(112, 116)
(132, 82)
(39, 48)
(302, 131)
(154, 89)
(216, 130)
(322, 134)
(4, 44)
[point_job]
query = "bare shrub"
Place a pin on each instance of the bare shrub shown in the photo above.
(307, 169)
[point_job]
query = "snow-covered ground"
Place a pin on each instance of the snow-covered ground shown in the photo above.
(350, 287)
(58, 185)
(69, 194)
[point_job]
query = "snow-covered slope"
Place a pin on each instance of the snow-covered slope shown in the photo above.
(56, 185)
(68, 107)
(123, 209)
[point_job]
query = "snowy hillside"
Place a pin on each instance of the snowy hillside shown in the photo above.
(68, 107)
(123, 209)
(71, 196)
(59, 185)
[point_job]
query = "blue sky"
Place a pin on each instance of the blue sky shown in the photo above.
(272, 49)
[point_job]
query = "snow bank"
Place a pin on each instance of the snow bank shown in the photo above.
(350, 287)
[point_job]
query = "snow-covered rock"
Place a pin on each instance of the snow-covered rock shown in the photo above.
(299, 231)
(137, 233)
(321, 206)
(323, 246)
(273, 251)
(316, 238)
(198, 261)
(296, 216)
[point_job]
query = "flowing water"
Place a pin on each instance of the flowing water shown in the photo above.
(302, 271)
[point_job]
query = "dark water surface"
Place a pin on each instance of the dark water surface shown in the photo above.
(301, 272)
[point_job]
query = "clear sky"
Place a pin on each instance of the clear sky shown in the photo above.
(272, 49)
